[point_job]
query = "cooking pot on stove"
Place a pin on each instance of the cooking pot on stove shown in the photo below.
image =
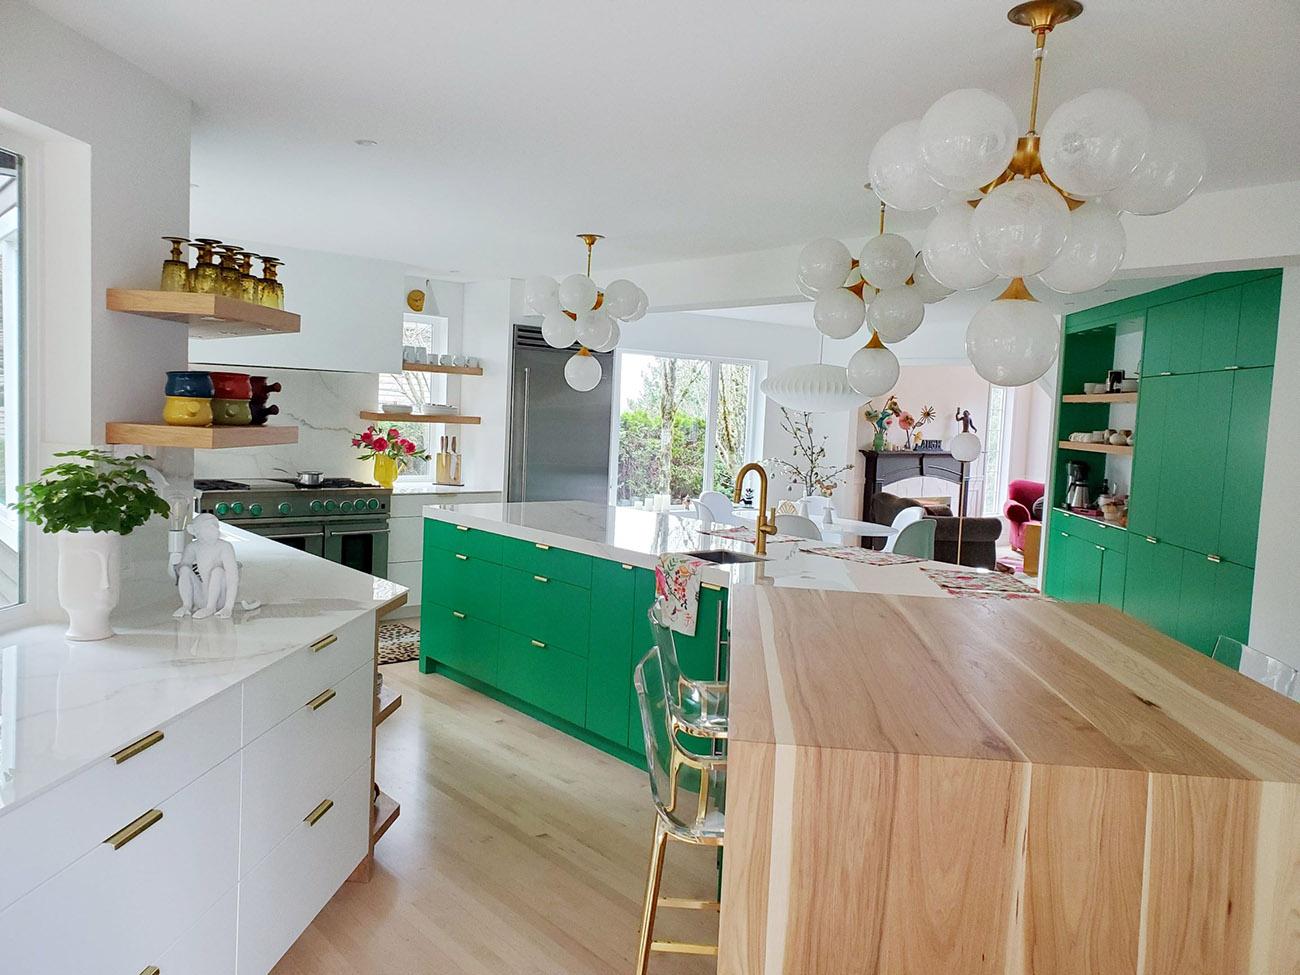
(305, 478)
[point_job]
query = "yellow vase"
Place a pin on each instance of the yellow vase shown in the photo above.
(385, 470)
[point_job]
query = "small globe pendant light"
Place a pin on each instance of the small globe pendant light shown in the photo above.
(1013, 340)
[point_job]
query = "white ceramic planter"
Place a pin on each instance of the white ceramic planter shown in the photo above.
(90, 581)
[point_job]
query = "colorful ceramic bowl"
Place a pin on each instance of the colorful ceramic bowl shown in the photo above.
(231, 412)
(232, 385)
(187, 411)
(261, 411)
(262, 388)
(190, 384)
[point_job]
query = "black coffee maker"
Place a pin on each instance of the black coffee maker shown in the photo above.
(1076, 493)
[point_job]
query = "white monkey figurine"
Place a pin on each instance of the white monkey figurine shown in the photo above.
(208, 574)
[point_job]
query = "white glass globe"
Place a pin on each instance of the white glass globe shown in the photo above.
(896, 313)
(610, 344)
(1092, 143)
(1011, 342)
(967, 138)
(593, 328)
(1093, 251)
(642, 305)
(577, 293)
(814, 388)
(805, 289)
(838, 313)
(541, 294)
(1167, 175)
(620, 298)
(558, 330)
(873, 371)
(927, 288)
(824, 263)
(949, 253)
(854, 278)
(887, 261)
(898, 176)
(1020, 226)
(582, 372)
(965, 447)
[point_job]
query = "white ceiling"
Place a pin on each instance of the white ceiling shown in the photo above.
(677, 128)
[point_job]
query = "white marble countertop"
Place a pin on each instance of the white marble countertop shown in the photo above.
(637, 537)
(438, 490)
(67, 705)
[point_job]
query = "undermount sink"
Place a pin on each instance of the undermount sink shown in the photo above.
(725, 557)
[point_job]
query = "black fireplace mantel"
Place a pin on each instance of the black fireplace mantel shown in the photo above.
(887, 466)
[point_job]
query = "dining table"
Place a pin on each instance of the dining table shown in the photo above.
(847, 527)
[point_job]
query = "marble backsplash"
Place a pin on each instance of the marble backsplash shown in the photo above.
(325, 406)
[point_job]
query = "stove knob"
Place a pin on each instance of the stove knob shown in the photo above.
(222, 509)
(284, 508)
(317, 506)
(331, 505)
(345, 506)
(373, 504)
(254, 510)
(237, 508)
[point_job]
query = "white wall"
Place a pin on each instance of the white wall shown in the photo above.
(486, 332)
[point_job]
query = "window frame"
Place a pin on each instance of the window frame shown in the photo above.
(440, 326)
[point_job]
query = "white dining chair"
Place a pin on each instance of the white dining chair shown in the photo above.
(798, 526)
(908, 516)
(718, 506)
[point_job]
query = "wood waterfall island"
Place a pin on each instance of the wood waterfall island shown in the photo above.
(921, 786)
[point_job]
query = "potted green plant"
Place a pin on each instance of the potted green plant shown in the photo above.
(88, 502)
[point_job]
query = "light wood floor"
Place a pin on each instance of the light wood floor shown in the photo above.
(519, 851)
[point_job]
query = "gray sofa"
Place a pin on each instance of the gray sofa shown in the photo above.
(979, 536)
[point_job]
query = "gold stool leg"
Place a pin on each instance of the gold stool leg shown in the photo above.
(651, 896)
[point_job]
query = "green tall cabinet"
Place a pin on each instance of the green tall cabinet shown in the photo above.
(1185, 562)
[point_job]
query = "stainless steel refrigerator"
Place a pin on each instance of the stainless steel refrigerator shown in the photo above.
(559, 438)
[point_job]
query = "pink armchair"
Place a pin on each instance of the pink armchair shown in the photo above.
(1022, 495)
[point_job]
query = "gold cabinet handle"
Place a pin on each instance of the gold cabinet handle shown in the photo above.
(711, 585)
(324, 642)
(133, 829)
(136, 747)
(1214, 558)
(314, 817)
(541, 578)
(459, 615)
(538, 644)
(462, 528)
(543, 546)
(1153, 541)
(626, 566)
(1100, 548)
(321, 699)
(463, 558)
(152, 970)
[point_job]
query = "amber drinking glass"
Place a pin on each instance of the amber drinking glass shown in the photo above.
(228, 272)
(205, 276)
(270, 292)
(176, 270)
(247, 279)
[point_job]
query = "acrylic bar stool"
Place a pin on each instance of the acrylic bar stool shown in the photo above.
(696, 707)
(688, 792)
(1258, 666)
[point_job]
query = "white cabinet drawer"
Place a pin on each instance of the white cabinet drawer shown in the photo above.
(273, 694)
(41, 837)
(286, 890)
(208, 948)
(117, 910)
(303, 758)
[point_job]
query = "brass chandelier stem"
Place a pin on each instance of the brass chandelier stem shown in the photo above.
(590, 241)
(882, 217)
(1040, 46)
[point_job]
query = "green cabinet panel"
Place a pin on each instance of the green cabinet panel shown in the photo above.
(642, 641)
(1080, 581)
(1219, 340)
(1158, 340)
(544, 676)
(547, 560)
(1148, 455)
(1195, 453)
(609, 659)
(458, 640)
(459, 538)
(1187, 321)
(1215, 602)
(1236, 589)
(1153, 583)
(463, 582)
(1261, 302)
(1247, 433)
(1113, 570)
(545, 609)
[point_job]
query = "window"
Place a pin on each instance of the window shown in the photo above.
(11, 420)
(997, 440)
(685, 426)
(415, 389)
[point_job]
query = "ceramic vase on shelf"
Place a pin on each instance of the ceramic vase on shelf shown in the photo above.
(90, 581)
(385, 470)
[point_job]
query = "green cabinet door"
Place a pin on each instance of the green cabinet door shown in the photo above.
(1261, 301)
(1236, 587)
(1188, 324)
(1153, 583)
(1148, 456)
(545, 609)
(1081, 576)
(609, 658)
(549, 678)
(461, 581)
(459, 641)
(1247, 433)
(1163, 323)
(1054, 567)
(1113, 569)
(642, 641)
(1219, 339)
(1215, 602)
(1194, 455)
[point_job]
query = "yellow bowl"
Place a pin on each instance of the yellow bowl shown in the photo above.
(187, 411)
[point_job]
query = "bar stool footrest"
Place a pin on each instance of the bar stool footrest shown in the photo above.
(683, 948)
(687, 904)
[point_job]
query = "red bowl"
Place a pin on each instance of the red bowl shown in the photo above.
(232, 385)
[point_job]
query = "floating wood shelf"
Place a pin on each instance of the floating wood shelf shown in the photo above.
(1095, 448)
(382, 815)
(389, 701)
(420, 417)
(1100, 398)
(436, 367)
(198, 438)
(208, 316)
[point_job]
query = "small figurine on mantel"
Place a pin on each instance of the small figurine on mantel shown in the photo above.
(208, 575)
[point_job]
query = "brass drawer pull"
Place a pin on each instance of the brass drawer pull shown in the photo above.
(323, 642)
(152, 970)
(459, 615)
(133, 829)
(1153, 541)
(543, 546)
(626, 566)
(463, 558)
(136, 747)
(462, 528)
(321, 699)
(314, 817)
(711, 585)
(538, 644)
(1100, 548)
(1214, 558)
(541, 578)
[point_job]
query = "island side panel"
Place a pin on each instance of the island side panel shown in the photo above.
(747, 863)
